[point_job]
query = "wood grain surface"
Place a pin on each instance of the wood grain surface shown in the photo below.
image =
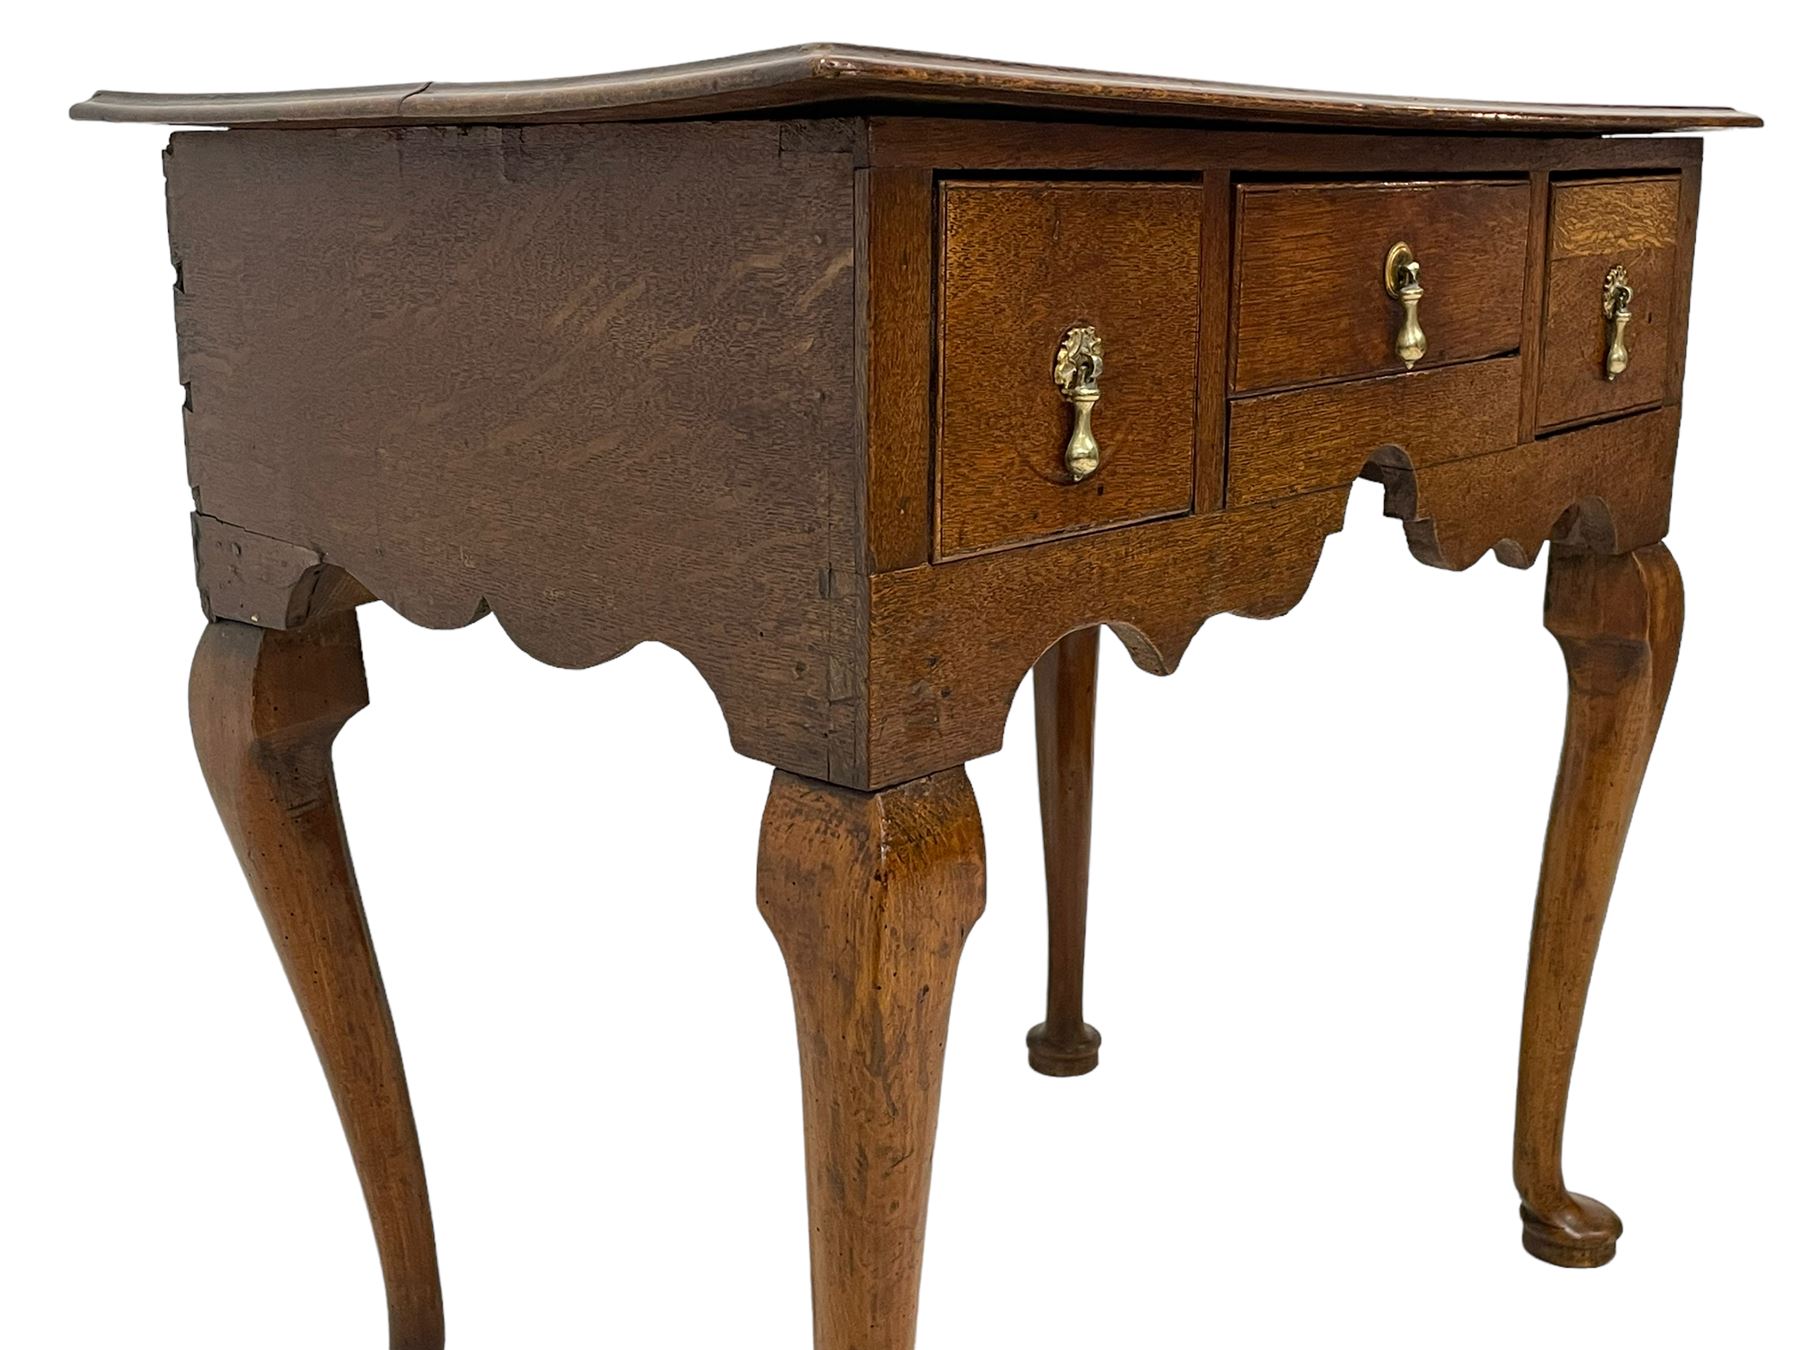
(1306, 439)
(448, 362)
(1531, 322)
(1592, 227)
(1687, 235)
(1021, 264)
(465, 385)
(1619, 621)
(791, 77)
(774, 389)
(992, 142)
(1215, 342)
(949, 644)
(1311, 298)
(1064, 684)
(896, 286)
(1605, 487)
(870, 896)
(1631, 214)
(251, 578)
(265, 707)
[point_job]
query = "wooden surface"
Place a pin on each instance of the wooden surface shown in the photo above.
(1605, 486)
(1636, 222)
(1021, 264)
(1021, 146)
(560, 420)
(446, 362)
(1311, 298)
(792, 77)
(949, 644)
(1307, 439)
(897, 288)
(1215, 342)
(1619, 622)
(1627, 214)
(1531, 334)
(251, 578)
(266, 706)
(1684, 281)
(1064, 683)
(870, 896)
(777, 393)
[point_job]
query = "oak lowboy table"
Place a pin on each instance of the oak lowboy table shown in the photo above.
(870, 381)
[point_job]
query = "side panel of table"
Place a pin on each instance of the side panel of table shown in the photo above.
(599, 380)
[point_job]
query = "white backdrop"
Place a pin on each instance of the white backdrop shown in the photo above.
(1315, 847)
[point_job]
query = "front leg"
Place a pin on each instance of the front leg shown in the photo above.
(1619, 622)
(265, 707)
(870, 896)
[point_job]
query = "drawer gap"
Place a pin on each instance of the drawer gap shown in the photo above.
(1024, 176)
(1611, 415)
(1364, 376)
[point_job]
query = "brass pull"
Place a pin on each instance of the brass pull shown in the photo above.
(1402, 275)
(1077, 376)
(1615, 304)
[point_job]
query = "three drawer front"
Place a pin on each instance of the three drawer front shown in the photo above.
(1608, 297)
(1318, 298)
(1068, 351)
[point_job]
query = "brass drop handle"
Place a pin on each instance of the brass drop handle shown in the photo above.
(1615, 304)
(1077, 374)
(1402, 276)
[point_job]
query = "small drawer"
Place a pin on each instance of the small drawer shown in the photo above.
(1304, 440)
(1600, 232)
(1312, 297)
(1024, 265)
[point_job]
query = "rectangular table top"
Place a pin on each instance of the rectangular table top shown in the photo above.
(827, 74)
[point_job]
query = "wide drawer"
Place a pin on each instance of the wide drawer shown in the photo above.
(1312, 299)
(1604, 235)
(1023, 266)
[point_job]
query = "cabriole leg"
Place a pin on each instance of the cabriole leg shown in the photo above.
(1619, 622)
(870, 896)
(266, 707)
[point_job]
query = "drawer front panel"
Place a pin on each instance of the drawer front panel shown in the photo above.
(1312, 301)
(1021, 264)
(1302, 440)
(1595, 227)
